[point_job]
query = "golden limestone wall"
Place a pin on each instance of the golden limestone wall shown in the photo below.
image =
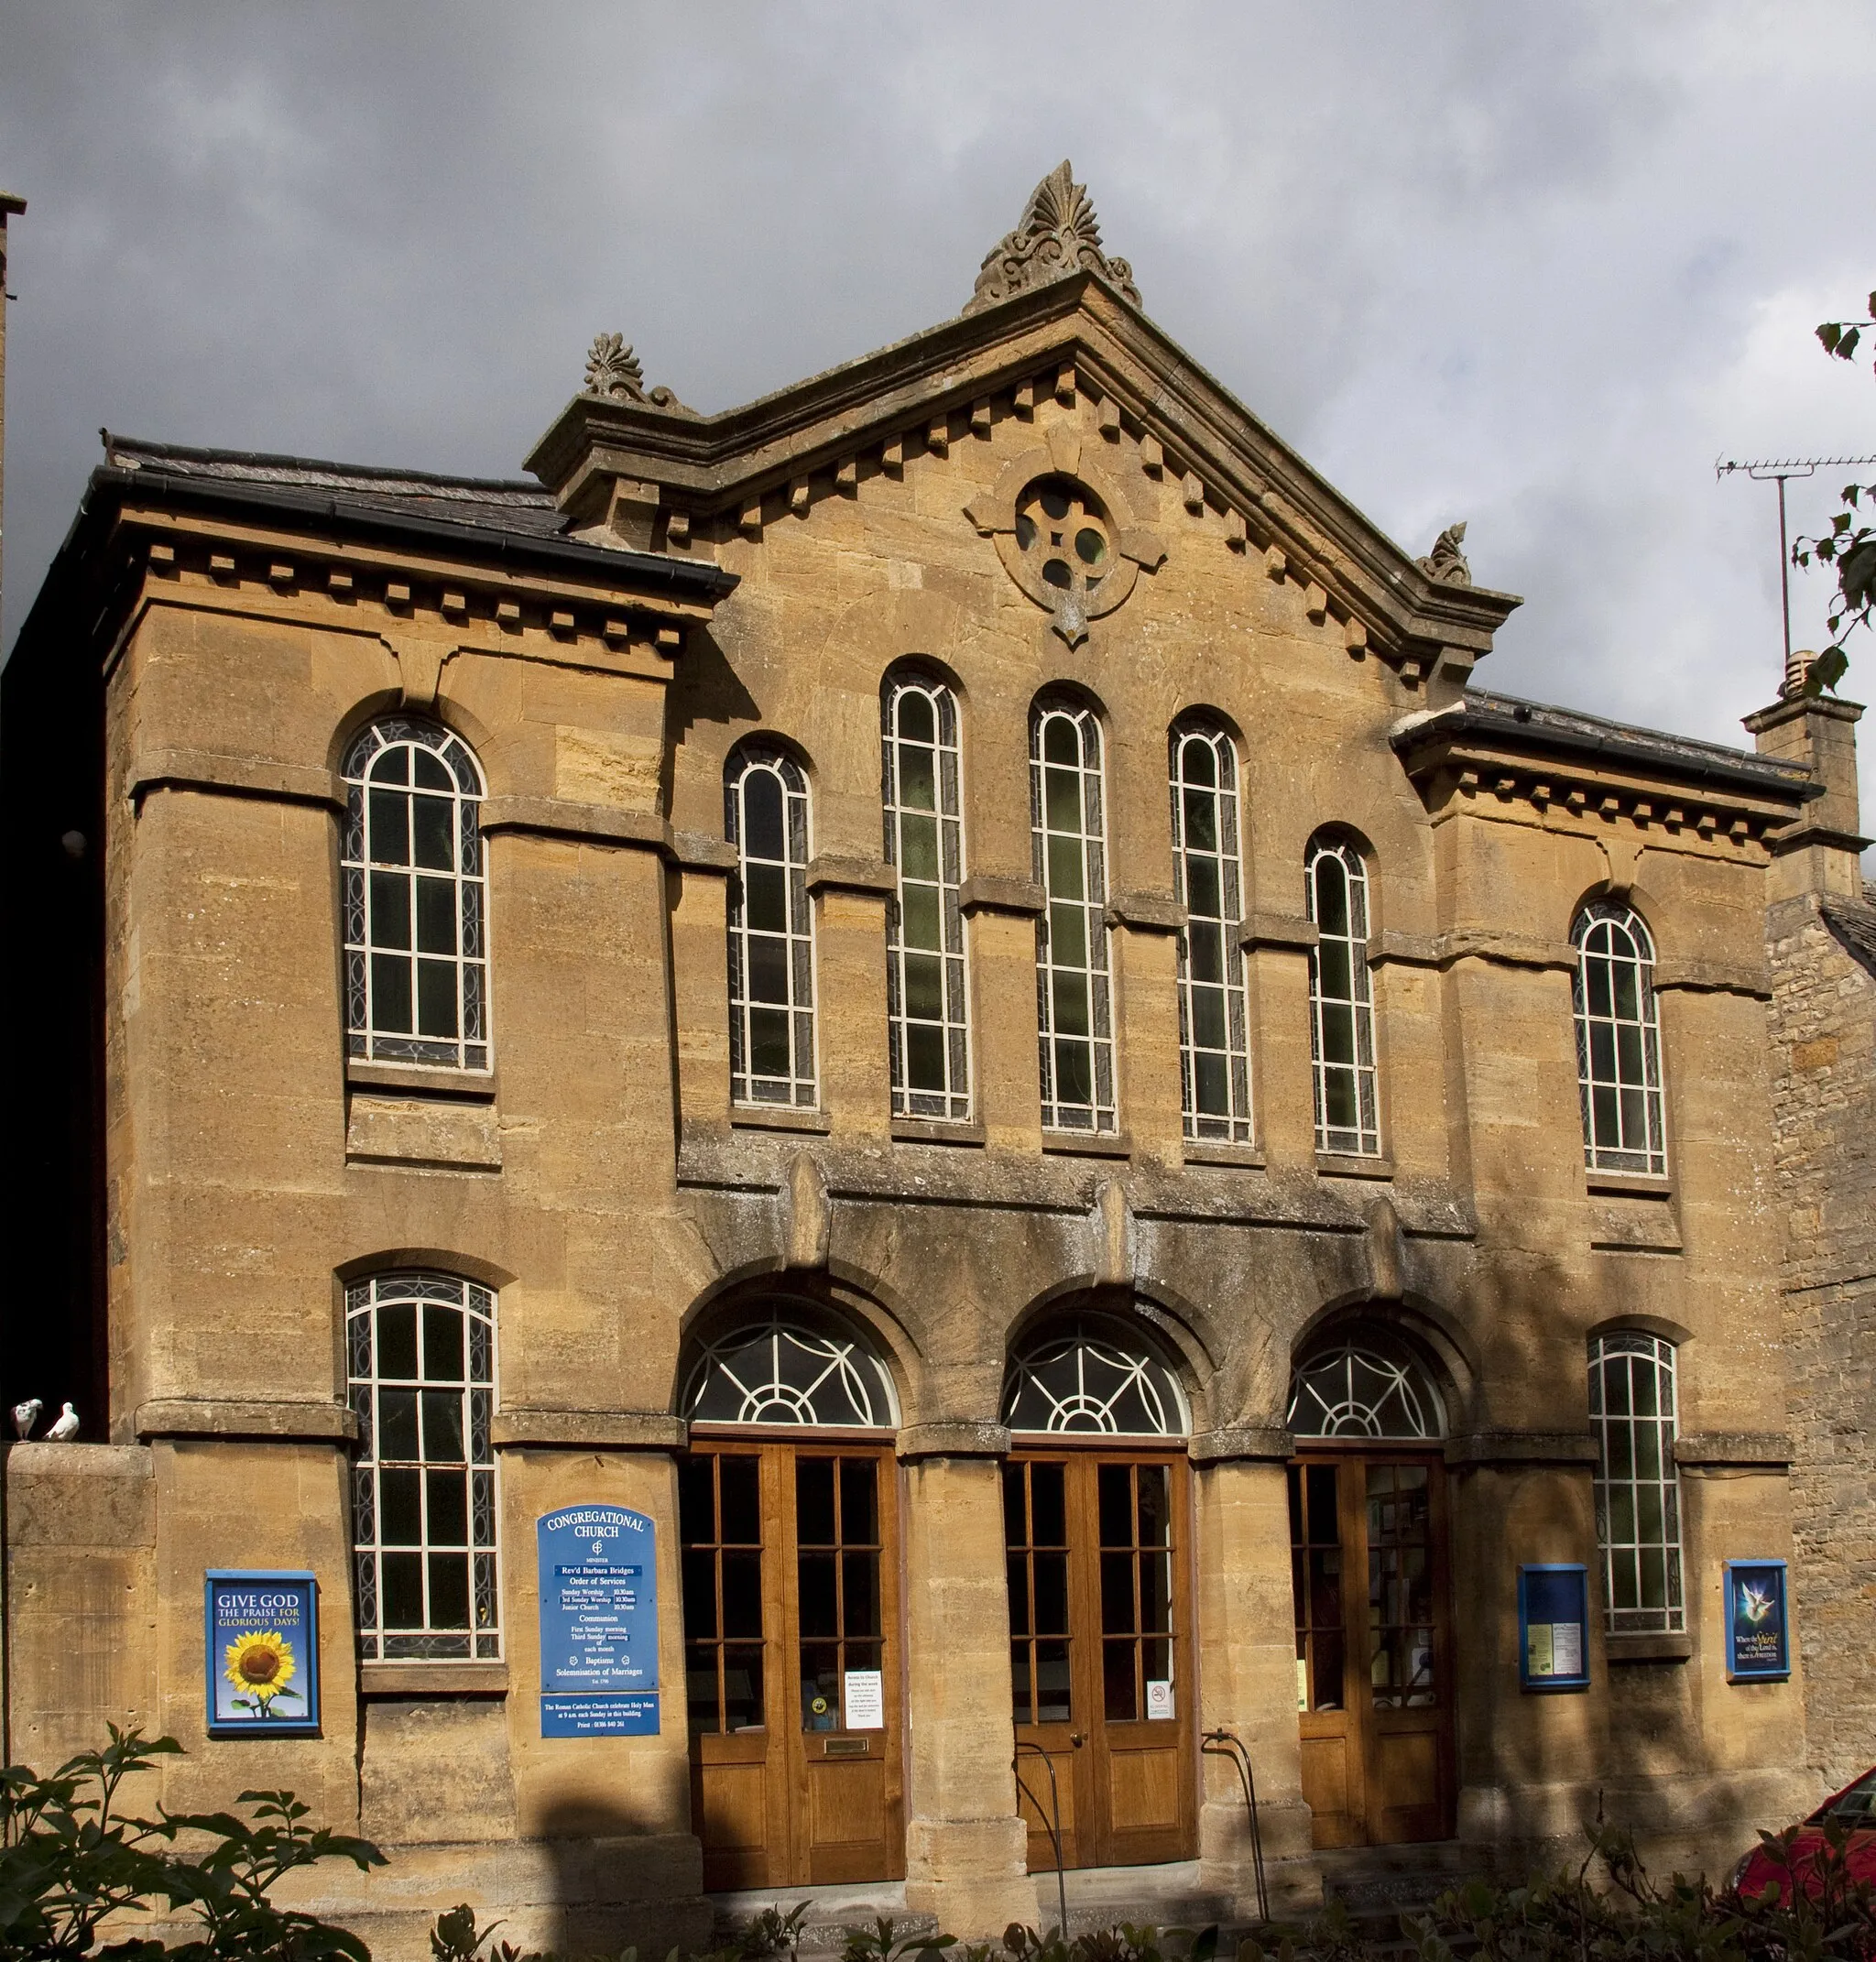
(606, 1188)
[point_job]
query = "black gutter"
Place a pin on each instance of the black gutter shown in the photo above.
(687, 578)
(1764, 775)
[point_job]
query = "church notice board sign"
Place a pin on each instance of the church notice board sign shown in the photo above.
(598, 1578)
(1758, 1635)
(1553, 1628)
(260, 1636)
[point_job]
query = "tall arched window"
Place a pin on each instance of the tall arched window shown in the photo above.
(1341, 1003)
(924, 845)
(1214, 1052)
(771, 935)
(1618, 1042)
(1638, 1484)
(420, 1365)
(1074, 1008)
(416, 899)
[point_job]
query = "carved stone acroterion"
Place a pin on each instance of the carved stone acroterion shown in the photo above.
(613, 371)
(1446, 562)
(1059, 234)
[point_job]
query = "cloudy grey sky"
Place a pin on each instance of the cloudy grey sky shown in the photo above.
(1536, 266)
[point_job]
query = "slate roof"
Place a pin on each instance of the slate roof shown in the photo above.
(1547, 730)
(502, 504)
(1854, 923)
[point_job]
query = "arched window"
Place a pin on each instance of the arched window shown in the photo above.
(1093, 1374)
(924, 845)
(787, 1369)
(771, 935)
(1341, 1003)
(421, 1364)
(1073, 1009)
(1364, 1387)
(1638, 1484)
(1618, 1042)
(1213, 1054)
(416, 899)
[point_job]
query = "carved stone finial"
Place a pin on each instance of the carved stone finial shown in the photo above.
(1059, 234)
(613, 371)
(1446, 562)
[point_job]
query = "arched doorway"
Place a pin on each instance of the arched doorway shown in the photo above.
(789, 1525)
(1096, 1506)
(1370, 1571)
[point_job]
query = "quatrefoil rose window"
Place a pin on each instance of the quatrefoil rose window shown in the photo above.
(1063, 532)
(1064, 538)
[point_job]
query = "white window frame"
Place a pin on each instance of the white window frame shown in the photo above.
(389, 897)
(1209, 882)
(1071, 866)
(1638, 1483)
(924, 928)
(1618, 1042)
(796, 1087)
(437, 1401)
(1345, 954)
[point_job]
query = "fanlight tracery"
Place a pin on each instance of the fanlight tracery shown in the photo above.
(1356, 1389)
(779, 1370)
(1092, 1377)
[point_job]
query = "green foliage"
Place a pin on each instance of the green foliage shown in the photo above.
(1619, 1914)
(69, 1859)
(1848, 548)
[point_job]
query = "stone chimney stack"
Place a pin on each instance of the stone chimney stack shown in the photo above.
(10, 207)
(1821, 853)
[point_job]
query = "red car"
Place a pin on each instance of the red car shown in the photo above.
(1854, 1808)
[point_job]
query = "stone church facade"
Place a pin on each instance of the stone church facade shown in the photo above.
(943, 987)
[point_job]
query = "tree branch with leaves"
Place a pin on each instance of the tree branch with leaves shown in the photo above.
(1848, 548)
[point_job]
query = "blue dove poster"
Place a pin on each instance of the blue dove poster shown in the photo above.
(1758, 1641)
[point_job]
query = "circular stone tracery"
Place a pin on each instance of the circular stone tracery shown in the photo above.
(1064, 534)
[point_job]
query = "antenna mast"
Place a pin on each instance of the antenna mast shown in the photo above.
(1777, 470)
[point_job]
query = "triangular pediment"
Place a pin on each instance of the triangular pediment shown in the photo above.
(1053, 316)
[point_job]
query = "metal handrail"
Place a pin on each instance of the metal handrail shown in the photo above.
(1053, 1820)
(1228, 1744)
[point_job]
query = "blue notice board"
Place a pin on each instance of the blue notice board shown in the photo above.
(1553, 1628)
(1758, 1638)
(599, 1577)
(260, 1633)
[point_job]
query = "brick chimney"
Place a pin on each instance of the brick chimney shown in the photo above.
(1821, 853)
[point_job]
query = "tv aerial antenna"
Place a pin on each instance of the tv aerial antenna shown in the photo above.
(1780, 471)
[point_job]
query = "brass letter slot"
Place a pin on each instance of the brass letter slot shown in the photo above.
(846, 1748)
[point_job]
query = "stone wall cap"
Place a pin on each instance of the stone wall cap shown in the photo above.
(1147, 912)
(1242, 1444)
(948, 1439)
(987, 892)
(287, 1421)
(566, 1430)
(1279, 930)
(1772, 1448)
(1522, 1448)
(833, 872)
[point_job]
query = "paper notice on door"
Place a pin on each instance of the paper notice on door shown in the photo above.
(1301, 1684)
(865, 1695)
(1159, 1702)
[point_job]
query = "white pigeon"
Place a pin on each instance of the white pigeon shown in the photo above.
(25, 1415)
(67, 1426)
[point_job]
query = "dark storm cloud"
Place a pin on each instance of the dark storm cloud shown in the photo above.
(1535, 267)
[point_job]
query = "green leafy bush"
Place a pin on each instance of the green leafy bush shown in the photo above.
(69, 1859)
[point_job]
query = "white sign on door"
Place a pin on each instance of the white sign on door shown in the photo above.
(865, 1700)
(1159, 1702)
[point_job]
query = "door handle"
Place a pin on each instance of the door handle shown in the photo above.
(1077, 1738)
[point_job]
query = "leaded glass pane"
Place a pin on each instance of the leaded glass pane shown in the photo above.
(1618, 1042)
(1633, 1412)
(1094, 1375)
(1214, 1074)
(781, 1371)
(1341, 1031)
(772, 949)
(420, 1355)
(1364, 1388)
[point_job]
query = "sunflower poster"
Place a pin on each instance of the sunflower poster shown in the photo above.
(262, 1636)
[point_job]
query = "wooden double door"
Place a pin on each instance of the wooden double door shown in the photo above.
(1374, 1645)
(790, 1581)
(1101, 1671)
